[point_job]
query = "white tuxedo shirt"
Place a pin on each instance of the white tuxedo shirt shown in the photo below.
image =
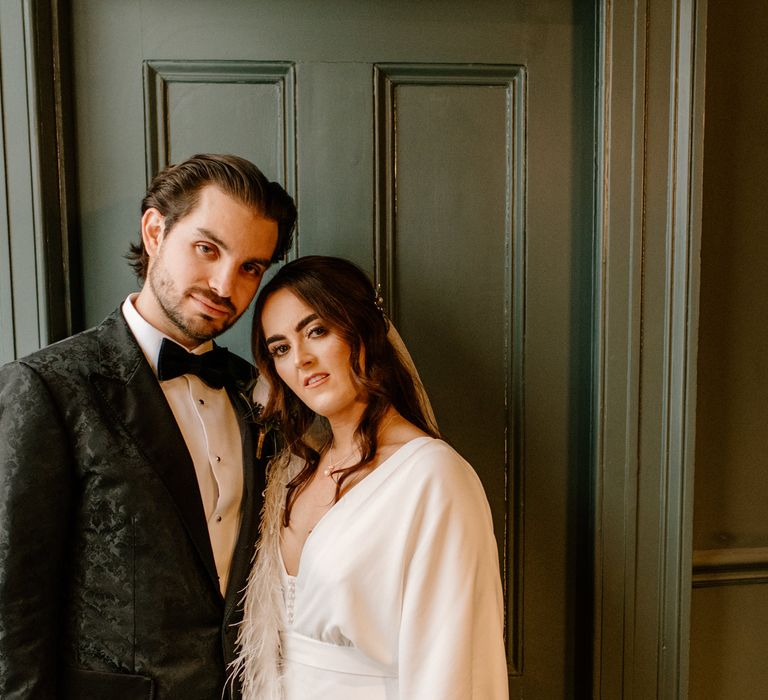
(209, 426)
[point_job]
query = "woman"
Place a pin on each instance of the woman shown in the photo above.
(376, 576)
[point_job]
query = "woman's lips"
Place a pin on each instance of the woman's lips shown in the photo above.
(314, 379)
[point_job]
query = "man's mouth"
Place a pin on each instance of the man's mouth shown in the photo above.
(218, 308)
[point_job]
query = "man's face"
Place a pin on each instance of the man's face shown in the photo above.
(204, 273)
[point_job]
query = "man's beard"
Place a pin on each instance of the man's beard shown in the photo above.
(170, 302)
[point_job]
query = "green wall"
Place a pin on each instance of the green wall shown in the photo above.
(729, 643)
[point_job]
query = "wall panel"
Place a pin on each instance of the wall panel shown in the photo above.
(728, 647)
(729, 643)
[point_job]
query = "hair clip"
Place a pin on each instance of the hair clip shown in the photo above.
(378, 300)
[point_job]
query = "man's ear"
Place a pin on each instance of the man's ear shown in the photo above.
(152, 230)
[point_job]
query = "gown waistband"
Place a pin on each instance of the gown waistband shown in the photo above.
(331, 657)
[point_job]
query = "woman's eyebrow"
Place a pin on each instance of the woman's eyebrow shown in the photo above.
(299, 326)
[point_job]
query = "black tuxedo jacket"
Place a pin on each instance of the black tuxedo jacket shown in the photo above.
(108, 587)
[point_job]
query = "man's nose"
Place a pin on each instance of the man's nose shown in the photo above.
(223, 279)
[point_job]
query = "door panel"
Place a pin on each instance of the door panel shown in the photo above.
(221, 107)
(447, 148)
(450, 239)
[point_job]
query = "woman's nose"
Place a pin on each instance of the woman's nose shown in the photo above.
(303, 357)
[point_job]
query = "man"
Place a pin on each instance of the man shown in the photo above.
(129, 484)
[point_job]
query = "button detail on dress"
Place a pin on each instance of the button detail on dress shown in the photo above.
(290, 600)
(201, 401)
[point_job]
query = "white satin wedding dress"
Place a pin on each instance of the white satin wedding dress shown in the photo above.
(397, 595)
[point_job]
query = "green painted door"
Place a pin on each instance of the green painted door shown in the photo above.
(445, 146)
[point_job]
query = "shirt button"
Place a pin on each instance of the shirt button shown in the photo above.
(201, 401)
(218, 518)
(218, 459)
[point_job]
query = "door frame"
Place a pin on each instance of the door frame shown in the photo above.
(649, 155)
(648, 238)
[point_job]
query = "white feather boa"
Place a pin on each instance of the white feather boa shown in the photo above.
(258, 665)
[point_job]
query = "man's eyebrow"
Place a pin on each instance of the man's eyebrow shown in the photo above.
(261, 262)
(301, 324)
(210, 234)
(264, 262)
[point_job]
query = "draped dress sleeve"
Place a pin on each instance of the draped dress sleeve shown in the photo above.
(451, 623)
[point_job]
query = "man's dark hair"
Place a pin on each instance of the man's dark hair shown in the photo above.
(175, 192)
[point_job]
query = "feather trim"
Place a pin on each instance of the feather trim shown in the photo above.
(258, 665)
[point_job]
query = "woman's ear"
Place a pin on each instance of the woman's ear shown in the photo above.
(361, 361)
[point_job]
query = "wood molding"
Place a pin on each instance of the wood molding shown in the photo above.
(41, 279)
(736, 565)
(650, 126)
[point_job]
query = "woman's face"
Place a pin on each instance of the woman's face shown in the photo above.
(310, 357)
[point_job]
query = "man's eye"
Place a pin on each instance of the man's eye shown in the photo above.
(204, 248)
(255, 270)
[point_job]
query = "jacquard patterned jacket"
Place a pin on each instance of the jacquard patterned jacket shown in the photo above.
(108, 587)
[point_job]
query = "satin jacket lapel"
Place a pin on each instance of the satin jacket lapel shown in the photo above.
(253, 486)
(133, 395)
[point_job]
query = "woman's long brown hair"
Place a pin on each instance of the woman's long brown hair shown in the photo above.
(341, 294)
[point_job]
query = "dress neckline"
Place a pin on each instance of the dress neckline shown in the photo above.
(372, 481)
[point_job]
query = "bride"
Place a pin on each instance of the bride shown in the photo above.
(376, 576)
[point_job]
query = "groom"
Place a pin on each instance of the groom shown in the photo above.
(130, 484)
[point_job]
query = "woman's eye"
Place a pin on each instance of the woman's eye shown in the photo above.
(316, 331)
(278, 350)
(204, 248)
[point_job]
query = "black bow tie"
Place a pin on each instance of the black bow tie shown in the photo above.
(212, 367)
